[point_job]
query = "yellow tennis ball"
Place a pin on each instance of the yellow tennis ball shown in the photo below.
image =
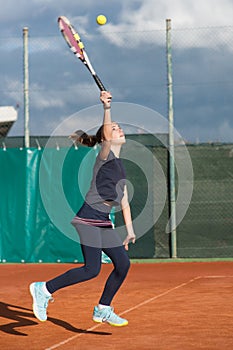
(101, 19)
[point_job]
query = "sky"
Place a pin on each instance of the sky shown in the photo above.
(129, 54)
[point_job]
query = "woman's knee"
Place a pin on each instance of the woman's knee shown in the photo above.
(127, 265)
(92, 271)
(123, 267)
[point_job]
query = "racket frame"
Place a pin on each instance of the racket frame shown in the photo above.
(76, 45)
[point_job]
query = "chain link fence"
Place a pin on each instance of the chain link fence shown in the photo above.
(133, 66)
(206, 229)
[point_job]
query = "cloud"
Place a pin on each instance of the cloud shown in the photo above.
(225, 130)
(184, 14)
(127, 18)
(43, 98)
(12, 89)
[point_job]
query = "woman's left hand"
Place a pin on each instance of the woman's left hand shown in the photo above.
(129, 238)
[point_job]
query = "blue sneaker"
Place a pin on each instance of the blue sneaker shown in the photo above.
(40, 300)
(108, 315)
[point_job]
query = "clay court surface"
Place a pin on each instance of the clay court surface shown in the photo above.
(170, 306)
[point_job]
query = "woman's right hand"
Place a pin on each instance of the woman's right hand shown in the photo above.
(105, 98)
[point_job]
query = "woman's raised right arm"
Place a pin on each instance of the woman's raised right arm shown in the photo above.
(105, 98)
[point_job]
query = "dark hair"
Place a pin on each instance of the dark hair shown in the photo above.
(80, 137)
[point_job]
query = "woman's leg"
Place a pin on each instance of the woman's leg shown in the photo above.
(40, 291)
(92, 260)
(121, 264)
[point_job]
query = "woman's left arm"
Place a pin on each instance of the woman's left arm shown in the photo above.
(126, 211)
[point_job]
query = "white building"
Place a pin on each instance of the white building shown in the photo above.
(8, 115)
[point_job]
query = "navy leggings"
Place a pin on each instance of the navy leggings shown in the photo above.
(93, 241)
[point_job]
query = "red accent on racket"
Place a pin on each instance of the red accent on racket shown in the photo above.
(75, 43)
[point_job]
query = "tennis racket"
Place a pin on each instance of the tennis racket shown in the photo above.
(76, 45)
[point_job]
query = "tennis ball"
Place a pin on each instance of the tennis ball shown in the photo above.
(101, 19)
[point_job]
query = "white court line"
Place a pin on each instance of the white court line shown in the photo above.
(217, 276)
(160, 295)
(72, 338)
(55, 346)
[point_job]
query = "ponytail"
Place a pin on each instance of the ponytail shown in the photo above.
(80, 137)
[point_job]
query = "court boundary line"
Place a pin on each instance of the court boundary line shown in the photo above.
(55, 346)
(217, 276)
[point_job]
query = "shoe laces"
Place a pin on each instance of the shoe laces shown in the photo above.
(51, 299)
(109, 313)
(47, 299)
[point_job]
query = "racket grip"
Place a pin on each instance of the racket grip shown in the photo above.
(99, 82)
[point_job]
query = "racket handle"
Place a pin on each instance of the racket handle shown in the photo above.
(99, 82)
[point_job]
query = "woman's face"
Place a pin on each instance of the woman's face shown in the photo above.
(117, 133)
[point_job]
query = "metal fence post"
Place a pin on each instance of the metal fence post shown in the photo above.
(26, 88)
(172, 188)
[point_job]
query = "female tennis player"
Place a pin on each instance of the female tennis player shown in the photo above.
(95, 229)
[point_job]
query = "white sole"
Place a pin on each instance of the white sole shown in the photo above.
(100, 320)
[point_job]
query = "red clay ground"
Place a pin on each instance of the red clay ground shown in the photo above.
(170, 306)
